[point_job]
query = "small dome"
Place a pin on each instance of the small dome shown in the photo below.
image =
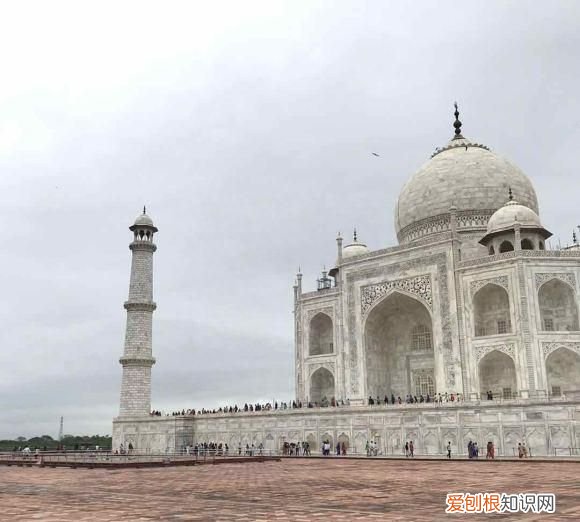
(506, 217)
(354, 249)
(509, 214)
(143, 219)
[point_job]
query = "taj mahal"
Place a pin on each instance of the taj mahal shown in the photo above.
(473, 302)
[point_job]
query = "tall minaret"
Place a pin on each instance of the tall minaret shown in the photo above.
(137, 358)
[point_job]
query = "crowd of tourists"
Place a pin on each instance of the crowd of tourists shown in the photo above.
(438, 398)
(340, 448)
(296, 449)
(268, 406)
(221, 449)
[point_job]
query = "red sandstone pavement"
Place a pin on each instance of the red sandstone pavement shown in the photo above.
(294, 490)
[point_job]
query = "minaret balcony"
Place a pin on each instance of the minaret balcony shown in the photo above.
(146, 246)
(140, 306)
(137, 360)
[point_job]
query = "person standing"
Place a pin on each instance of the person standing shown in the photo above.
(406, 449)
(449, 449)
(411, 449)
(488, 452)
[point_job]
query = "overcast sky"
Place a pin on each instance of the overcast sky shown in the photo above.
(247, 129)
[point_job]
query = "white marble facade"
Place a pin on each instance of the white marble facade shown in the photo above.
(399, 315)
(471, 300)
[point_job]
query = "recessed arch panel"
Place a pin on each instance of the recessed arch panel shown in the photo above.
(321, 335)
(497, 373)
(563, 371)
(558, 309)
(398, 335)
(322, 386)
(491, 311)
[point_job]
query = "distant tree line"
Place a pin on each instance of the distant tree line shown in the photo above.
(69, 442)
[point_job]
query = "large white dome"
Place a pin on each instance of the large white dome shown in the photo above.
(464, 175)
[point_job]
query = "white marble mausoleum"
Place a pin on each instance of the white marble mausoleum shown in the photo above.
(472, 300)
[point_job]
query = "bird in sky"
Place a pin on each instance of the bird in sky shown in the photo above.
(375, 154)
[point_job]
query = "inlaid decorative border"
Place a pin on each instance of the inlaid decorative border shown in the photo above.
(549, 347)
(466, 220)
(328, 310)
(500, 281)
(565, 277)
(507, 348)
(419, 286)
(330, 366)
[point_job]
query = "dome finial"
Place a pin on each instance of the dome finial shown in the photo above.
(510, 194)
(354, 235)
(574, 240)
(144, 210)
(457, 123)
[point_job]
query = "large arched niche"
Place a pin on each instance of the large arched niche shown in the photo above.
(563, 371)
(558, 310)
(497, 373)
(399, 348)
(321, 386)
(320, 338)
(491, 311)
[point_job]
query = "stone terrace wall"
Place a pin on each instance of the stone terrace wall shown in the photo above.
(543, 426)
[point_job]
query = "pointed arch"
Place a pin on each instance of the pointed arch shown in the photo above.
(321, 335)
(563, 371)
(558, 309)
(505, 246)
(327, 437)
(527, 244)
(497, 373)
(398, 343)
(321, 386)
(343, 437)
(491, 311)
(423, 298)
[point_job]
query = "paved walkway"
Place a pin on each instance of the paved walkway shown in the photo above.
(293, 490)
